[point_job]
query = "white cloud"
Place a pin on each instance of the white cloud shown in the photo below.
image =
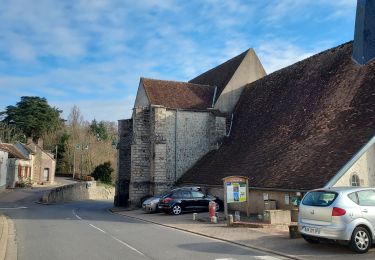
(277, 53)
(278, 11)
(22, 51)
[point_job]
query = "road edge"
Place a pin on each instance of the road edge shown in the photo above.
(4, 236)
(212, 237)
(11, 251)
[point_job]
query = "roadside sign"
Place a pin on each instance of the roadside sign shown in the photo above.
(236, 190)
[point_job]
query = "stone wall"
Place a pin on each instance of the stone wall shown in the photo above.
(77, 192)
(47, 164)
(165, 144)
(140, 156)
(125, 133)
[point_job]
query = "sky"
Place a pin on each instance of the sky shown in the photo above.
(91, 53)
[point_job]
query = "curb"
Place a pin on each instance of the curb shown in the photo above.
(202, 234)
(4, 237)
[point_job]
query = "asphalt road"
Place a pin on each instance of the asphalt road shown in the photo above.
(86, 230)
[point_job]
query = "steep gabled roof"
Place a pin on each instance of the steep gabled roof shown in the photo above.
(174, 94)
(295, 128)
(12, 151)
(220, 75)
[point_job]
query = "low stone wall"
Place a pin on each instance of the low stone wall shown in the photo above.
(78, 191)
(277, 216)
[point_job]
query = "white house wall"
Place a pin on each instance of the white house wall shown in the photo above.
(364, 167)
(249, 70)
(3, 168)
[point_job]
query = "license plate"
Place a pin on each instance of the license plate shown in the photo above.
(312, 230)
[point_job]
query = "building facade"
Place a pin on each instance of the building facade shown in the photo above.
(174, 124)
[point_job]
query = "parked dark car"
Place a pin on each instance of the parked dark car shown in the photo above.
(187, 199)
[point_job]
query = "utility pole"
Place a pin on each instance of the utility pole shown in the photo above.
(74, 162)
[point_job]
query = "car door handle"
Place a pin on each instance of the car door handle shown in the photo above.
(364, 210)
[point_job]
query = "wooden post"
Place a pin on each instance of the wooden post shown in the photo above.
(225, 201)
(247, 198)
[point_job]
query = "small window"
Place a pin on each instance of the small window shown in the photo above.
(354, 181)
(366, 198)
(353, 196)
(197, 194)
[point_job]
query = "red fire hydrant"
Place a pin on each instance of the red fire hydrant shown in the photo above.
(211, 209)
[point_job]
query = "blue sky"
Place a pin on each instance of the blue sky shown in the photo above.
(91, 53)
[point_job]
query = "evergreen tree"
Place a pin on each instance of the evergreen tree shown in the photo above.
(33, 116)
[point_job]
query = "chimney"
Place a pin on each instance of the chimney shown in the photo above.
(364, 35)
(40, 142)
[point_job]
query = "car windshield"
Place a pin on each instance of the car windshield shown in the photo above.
(319, 198)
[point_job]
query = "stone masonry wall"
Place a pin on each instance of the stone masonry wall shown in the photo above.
(159, 180)
(140, 156)
(125, 133)
(191, 135)
(78, 191)
(165, 144)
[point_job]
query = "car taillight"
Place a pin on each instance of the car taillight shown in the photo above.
(166, 200)
(337, 212)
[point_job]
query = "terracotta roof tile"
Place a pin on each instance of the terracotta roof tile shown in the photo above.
(175, 94)
(295, 128)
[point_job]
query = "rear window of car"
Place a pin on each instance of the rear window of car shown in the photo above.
(319, 198)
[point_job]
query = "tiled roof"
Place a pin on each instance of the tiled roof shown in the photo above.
(13, 152)
(295, 128)
(175, 94)
(220, 75)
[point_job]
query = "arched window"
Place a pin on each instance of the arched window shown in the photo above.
(354, 180)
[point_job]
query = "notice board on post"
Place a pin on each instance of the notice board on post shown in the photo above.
(236, 190)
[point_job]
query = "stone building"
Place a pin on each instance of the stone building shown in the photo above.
(43, 162)
(174, 124)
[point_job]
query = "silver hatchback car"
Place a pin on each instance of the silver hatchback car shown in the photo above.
(342, 214)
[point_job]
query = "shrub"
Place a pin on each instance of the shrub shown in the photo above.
(103, 172)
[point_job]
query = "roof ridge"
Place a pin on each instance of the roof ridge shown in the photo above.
(175, 81)
(225, 62)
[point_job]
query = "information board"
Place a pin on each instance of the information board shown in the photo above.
(236, 192)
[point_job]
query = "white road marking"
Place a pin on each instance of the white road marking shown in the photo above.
(74, 213)
(267, 257)
(15, 208)
(101, 230)
(113, 237)
(225, 259)
(126, 244)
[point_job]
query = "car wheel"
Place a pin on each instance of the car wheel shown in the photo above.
(310, 240)
(361, 240)
(176, 210)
